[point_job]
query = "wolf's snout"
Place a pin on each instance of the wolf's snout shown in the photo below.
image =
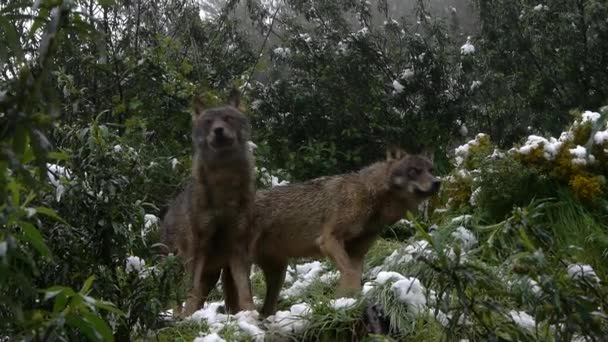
(436, 185)
(219, 131)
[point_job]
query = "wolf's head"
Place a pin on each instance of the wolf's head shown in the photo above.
(412, 175)
(221, 130)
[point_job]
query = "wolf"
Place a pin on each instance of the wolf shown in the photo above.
(208, 223)
(338, 217)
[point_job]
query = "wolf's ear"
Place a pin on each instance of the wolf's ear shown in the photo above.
(234, 99)
(395, 153)
(198, 107)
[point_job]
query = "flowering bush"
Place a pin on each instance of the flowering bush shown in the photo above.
(577, 160)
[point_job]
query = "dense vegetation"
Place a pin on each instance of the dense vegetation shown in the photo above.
(95, 141)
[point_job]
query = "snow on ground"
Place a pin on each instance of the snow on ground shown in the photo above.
(367, 287)
(214, 337)
(408, 253)
(306, 275)
(343, 303)
(411, 292)
(249, 323)
(581, 271)
(523, 319)
(465, 236)
(385, 276)
(292, 321)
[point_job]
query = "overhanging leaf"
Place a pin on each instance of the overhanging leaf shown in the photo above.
(33, 236)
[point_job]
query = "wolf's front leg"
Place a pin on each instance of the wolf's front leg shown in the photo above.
(194, 300)
(350, 277)
(239, 270)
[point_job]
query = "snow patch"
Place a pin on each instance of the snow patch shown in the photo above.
(474, 196)
(465, 236)
(397, 87)
(247, 322)
(550, 147)
(174, 163)
(367, 287)
(134, 264)
(150, 220)
(591, 117)
(601, 137)
(578, 271)
(29, 212)
(292, 321)
(306, 275)
(385, 276)
(523, 319)
(55, 173)
(462, 219)
(329, 277)
(213, 337)
(462, 151)
(411, 292)
(467, 48)
(270, 179)
(408, 253)
(580, 155)
(407, 73)
(343, 303)
(282, 52)
(475, 85)
(252, 146)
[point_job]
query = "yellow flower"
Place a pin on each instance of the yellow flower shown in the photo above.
(586, 188)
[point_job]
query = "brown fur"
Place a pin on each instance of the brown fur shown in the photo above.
(207, 224)
(338, 217)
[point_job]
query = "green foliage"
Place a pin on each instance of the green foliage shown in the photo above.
(537, 63)
(95, 141)
(353, 89)
(506, 183)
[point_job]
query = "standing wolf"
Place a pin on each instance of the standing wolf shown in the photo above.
(338, 217)
(208, 223)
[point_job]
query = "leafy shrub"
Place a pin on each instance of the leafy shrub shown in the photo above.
(496, 182)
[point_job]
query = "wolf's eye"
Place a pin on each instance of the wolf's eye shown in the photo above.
(207, 122)
(227, 118)
(413, 173)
